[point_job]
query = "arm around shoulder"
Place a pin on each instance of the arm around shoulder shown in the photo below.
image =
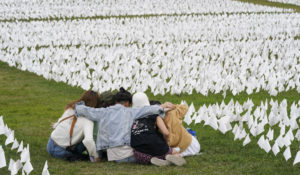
(93, 114)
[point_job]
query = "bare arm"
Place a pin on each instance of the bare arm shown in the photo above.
(162, 128)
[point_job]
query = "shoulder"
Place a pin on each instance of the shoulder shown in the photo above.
(84, 121)
(68, 112)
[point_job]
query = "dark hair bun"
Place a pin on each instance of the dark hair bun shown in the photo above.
(154, 102)
(122, 90)
(123, 95)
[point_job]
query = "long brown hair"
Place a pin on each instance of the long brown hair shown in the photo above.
(89, 97)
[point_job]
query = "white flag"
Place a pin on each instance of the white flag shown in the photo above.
(10, 138)
(2, 158)
(275, 148)
(1, 121)
(25, 155)
(15, 167)
(20, 149)
(28, 167)
(247, 140)
(297, 158)
(287, 153)
(11, 164)
(45, 169)
(15, 145)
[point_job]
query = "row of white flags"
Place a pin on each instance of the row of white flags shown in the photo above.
(26, 9)
(235, 116)
(212, 53)
(205, 29)
(24, 162)
(294, 2)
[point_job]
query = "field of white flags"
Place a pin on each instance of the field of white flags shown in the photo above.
(247, 121)
(23, 163)
(166, 47)
(295, 2)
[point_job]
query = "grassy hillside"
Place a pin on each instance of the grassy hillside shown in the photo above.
(29, 104)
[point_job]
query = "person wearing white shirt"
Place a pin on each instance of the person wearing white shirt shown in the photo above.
(63, 144)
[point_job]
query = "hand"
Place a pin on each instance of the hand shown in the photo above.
(53, 125)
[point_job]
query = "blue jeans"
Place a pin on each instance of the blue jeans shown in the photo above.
(60, 152)
(130, 159)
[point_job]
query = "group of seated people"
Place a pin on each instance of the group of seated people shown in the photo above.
(127, 129)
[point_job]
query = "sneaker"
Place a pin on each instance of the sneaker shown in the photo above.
(177, 160)
(159, 162)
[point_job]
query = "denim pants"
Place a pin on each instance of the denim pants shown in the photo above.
(60, 152)
(130, 159)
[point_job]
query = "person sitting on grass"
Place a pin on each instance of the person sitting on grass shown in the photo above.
(72, 136)
(179, 138)
(105, 100)
(114, 124)
(148, 138)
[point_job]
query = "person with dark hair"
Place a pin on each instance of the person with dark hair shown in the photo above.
(71, 136)
(114, 124)
(106, 99)
(123, 97)
(149, 137)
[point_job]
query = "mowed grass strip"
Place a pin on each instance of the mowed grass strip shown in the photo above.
(273, 4)
(29, 104)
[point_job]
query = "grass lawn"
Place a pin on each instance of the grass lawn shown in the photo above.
(29, 104)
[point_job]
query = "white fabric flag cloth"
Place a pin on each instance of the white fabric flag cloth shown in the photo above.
(2, 130)
(20, 149)
(11, 164)
(297, 158)
(224, 124)
(15, 167)
(287, 154)
(247, 140)
(27, 167)
(275, 148)
(10, 138)
(45, 169)
(264, 144)
(1, 121)
(187, 118)
(15, 145)
(25, 155)
(270, 134)
(298, 135)
(2, 158)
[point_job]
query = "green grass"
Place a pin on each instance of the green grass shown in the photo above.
(273, 4)
(29, 104)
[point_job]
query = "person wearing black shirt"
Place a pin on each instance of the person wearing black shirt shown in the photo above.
(147, 140)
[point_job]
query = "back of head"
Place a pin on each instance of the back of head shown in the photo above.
(106, 99)
(90, 99)
(123, 96)
(140, 99)
(154, 102)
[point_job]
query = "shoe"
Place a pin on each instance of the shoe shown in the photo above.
(159, 162)
(177, 160)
